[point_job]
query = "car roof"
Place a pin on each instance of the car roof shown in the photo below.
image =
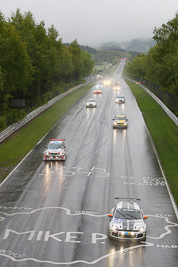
(120, 116)
(128, 205)
(57, 140)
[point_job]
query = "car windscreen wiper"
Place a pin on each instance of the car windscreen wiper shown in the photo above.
(131, 216)
(122, 216)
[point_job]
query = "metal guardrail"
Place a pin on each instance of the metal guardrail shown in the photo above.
(15, 126)
(168, 112)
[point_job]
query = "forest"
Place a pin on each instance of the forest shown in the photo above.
(160, 64)
(35, 65)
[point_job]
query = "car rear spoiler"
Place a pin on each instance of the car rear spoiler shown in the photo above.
(128, 198)
(57, 139)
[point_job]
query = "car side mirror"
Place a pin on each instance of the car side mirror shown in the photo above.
(110, 215)
(145, 217)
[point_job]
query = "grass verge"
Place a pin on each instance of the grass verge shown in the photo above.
(20, 143)
(164, 133)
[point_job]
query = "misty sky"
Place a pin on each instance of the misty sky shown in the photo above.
(92, 22)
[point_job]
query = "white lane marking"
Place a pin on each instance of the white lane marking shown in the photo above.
(168, 231)
(9, 252)
(144, 244)
(147, 181)
(93, 168)
(68, 212)
(98, 172)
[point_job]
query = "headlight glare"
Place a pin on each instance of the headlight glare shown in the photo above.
(114, 227)
(141, 229)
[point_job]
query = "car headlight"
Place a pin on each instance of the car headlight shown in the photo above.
(114, 227)
(115, 123)
(141, 229)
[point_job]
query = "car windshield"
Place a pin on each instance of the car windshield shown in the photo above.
(55, 145)
(128, 214)
(120, 118)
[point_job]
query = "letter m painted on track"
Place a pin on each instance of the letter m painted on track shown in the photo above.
(8, 231)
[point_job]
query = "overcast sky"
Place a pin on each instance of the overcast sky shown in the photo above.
(93, 22)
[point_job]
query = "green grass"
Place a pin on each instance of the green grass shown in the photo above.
(164, 133)
(100, 67)
(17, 146)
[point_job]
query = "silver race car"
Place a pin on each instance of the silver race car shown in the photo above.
(56, 150)
(120, 99)
(127, 221)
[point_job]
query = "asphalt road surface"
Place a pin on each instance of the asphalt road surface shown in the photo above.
(55, 213)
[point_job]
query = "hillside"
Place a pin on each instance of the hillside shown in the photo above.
(137, 45)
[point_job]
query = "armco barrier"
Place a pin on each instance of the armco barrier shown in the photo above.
(168, 112)
(15, 126)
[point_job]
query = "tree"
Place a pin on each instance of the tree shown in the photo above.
(86, 63)
(75, 51)
(160, 65)
(15, 63)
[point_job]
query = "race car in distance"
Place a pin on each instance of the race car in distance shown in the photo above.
(107, 82)
(91, 103)
(127, 221)
(99, 86)
(98, 89)
(120, 121)
(116, 86)
(56, 150)
(120, 99)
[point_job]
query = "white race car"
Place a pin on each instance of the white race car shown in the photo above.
(127, 221)
(91, 103)
(56, 150)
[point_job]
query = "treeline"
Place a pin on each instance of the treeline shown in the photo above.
(110, 56)
(35, 65)
(160, 64)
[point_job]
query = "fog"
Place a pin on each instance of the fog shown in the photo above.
(92, 22)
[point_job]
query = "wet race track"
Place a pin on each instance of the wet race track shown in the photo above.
(56, 213)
